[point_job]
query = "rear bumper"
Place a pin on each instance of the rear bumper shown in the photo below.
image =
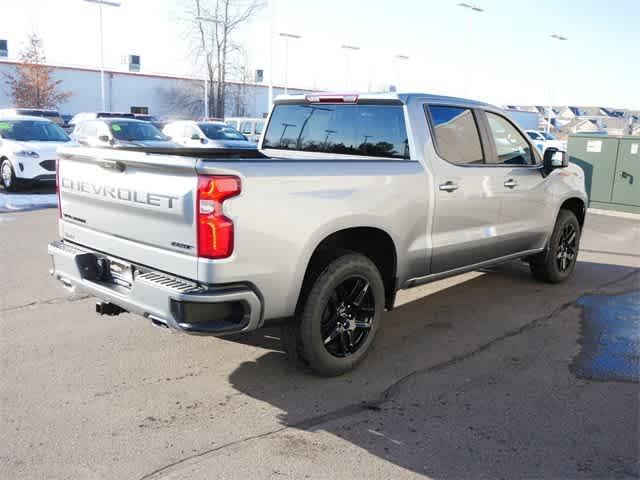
(178, 304)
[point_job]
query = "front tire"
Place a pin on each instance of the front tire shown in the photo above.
(8, 176)
(340, 316)
(558, 261)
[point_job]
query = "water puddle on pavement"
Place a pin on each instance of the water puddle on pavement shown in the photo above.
(610, 338)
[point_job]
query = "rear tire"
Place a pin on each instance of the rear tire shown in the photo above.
(339, 318)
(8, 176)
(558, 261)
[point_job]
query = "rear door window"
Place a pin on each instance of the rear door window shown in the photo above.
(364, 130)
(456, 134)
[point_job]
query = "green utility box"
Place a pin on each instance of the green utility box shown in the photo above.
(612, 170)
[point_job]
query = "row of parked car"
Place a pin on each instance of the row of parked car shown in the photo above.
(29, 138)
(249, 127)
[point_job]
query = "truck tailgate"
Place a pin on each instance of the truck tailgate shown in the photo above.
(134, 205)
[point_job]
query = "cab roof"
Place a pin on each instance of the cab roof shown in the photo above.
(399, 97)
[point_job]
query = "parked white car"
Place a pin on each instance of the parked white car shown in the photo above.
(28, 148)
(120, 132)
(78, 118)
(52, 115)
(249, 127)
(206, 135)
(544, 140)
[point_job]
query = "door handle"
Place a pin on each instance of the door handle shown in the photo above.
(626, 176)
(511, 183)
(448, 186)
(112, 165)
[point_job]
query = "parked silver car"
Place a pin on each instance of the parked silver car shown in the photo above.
(206, 135)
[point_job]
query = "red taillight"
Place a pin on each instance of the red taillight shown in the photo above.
(215, 231)
(58, 187)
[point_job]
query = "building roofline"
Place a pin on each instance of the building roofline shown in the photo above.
(168, 76)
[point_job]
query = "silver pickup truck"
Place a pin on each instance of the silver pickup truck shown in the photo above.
(348, 199)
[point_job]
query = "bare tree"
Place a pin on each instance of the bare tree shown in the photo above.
(215, 41)
(32, 84)
(238, 93)
(183, 99)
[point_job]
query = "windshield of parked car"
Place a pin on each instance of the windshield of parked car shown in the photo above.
(366, 130)
(215, 131)
(32, 131)
(136, 131)
(548, 136)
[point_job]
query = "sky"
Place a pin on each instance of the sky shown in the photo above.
(503, 55)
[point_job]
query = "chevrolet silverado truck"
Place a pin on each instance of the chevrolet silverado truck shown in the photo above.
(348, 199)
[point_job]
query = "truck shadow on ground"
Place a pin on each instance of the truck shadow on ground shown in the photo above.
(469, 381)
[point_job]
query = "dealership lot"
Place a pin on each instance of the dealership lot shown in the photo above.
(471, 377)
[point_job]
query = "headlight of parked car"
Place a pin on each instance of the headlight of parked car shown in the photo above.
(27, 154)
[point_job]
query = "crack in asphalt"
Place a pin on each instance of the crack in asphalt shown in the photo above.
(606, 252)
(388, 393)
(48, 301)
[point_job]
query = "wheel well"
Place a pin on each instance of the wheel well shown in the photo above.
(576, 206)
(371, 242)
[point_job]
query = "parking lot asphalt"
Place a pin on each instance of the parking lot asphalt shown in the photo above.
(477, 376)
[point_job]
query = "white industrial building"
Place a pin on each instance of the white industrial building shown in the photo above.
(136, 92)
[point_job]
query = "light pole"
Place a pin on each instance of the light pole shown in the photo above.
(399, 58)
(206, 74)
(110, 3)
(561, 38)
(473, 8)
(272, 17)
(286, 37)
(347, 50)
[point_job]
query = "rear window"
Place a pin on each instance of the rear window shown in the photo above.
(115, 115)
(367, 130)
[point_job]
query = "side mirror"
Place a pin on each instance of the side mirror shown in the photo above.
(203, 140)
(104, 138)
(554, 158)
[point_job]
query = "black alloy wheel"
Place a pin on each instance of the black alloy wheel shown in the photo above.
(346, 319)
(567, 250)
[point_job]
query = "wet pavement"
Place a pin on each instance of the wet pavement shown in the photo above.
(610, 338)
(469, 378)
